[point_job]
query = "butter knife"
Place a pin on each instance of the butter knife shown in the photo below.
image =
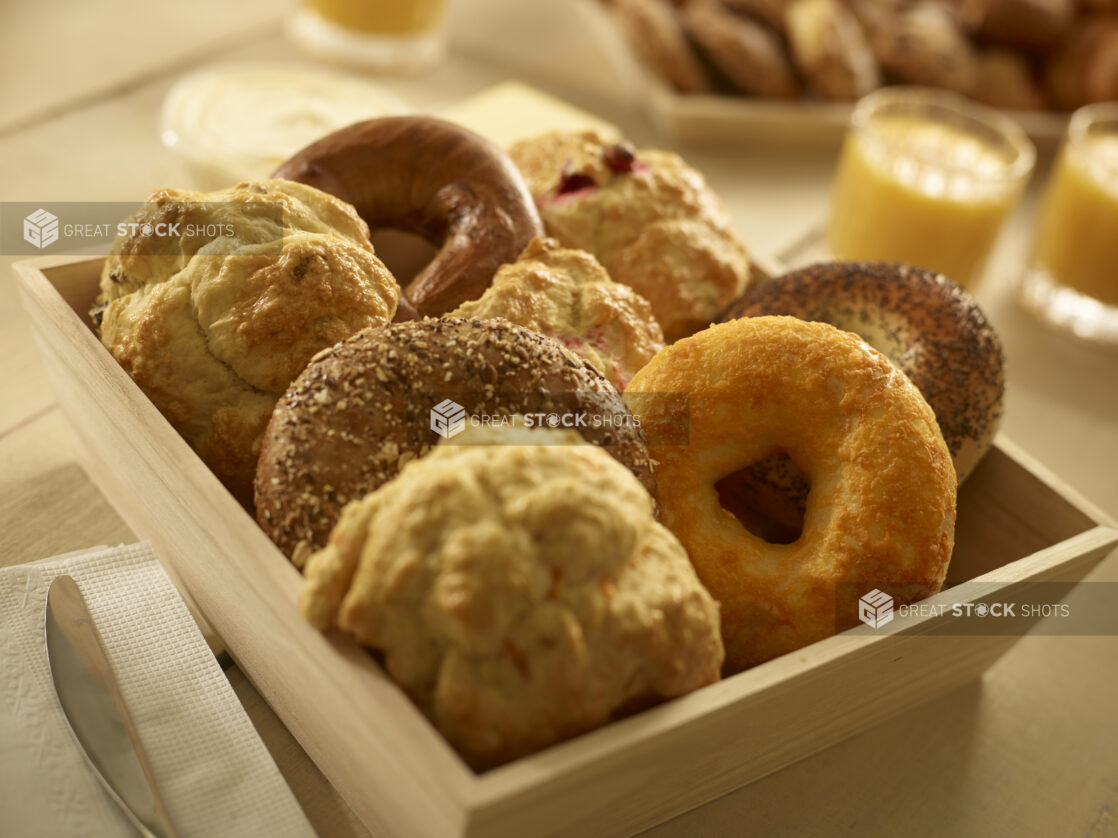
(90, 697)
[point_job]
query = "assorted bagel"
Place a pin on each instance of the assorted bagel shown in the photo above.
(359, 413)
(453, 463)
(881, 511)
(437, 180)
(923, 322)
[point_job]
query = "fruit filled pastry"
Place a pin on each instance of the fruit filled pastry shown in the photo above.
(566, 294)
(519, 589)
(647, 216)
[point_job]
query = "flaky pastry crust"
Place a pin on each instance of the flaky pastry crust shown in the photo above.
(214, 325)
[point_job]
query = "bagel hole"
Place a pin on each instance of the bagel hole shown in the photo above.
(768, 497)
(405, 254)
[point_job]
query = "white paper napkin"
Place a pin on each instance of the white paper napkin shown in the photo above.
(215, 774)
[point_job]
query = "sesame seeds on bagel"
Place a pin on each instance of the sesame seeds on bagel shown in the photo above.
(362, 409)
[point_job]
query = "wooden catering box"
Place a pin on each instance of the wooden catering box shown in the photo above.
(1017, 525)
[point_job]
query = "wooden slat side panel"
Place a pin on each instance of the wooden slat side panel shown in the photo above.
(1056, 484)
(929, 648)
(1006, 513)
(1069, 561)
(624, 790)
(72, 282)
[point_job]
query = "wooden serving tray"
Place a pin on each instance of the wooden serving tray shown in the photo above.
(1017, 525)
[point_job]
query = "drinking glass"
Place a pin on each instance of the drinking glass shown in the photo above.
(381, 35)
(1072, 281)
(926, 177)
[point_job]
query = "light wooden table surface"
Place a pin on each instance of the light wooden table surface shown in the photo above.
(1031, 750)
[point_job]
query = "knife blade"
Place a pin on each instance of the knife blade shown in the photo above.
(91, 700)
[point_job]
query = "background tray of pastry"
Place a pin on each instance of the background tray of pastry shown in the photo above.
(1017, 525)
(725, 119)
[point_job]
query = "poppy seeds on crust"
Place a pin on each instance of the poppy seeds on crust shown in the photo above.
(926, 324)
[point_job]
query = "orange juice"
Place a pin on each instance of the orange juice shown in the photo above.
(1077, 233)
(926, 178)
(382, 17)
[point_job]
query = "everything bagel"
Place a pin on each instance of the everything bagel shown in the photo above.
(438, 180)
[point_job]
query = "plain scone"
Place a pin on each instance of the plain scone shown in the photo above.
(519, 589)
(214, 327)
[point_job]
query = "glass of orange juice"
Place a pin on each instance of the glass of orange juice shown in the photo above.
(926, 177)
(1072, 282)
(387, 35)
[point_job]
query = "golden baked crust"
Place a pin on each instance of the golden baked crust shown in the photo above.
(1008, 81)
(566, 294)
(768, 12)
(881, 511)
(213, 329)
(520, 591)
(1085, 67)
(1029, 26)
(647, 216)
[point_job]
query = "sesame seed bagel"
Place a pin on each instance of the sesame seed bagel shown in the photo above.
(923, 322)
(363, 408)
(881, 510)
